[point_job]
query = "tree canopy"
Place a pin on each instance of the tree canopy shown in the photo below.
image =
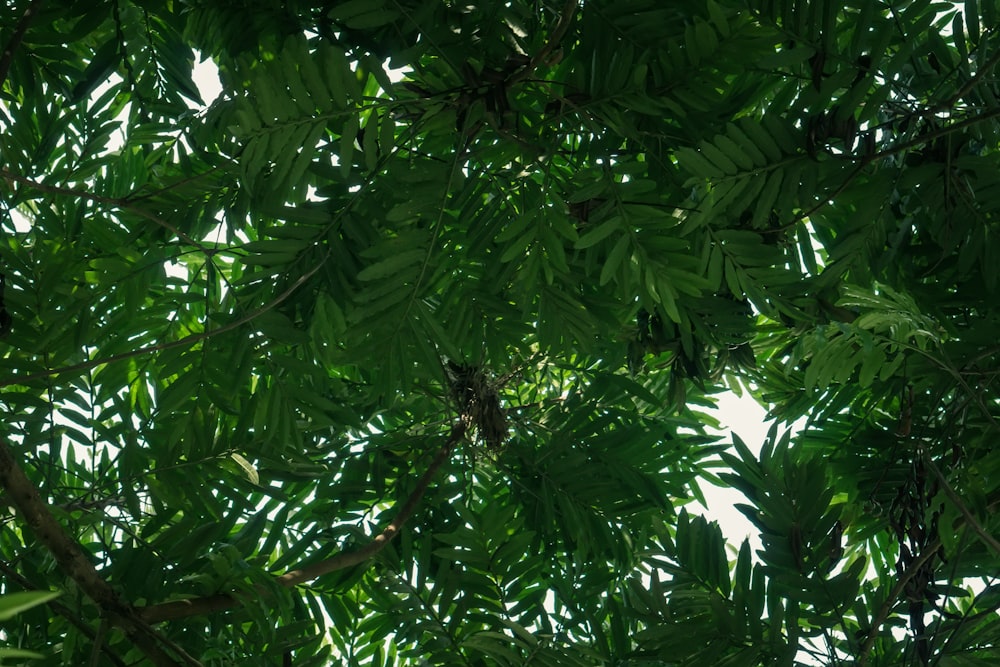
(401, 350)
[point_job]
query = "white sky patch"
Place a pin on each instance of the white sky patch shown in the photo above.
(744, 416)
(22, 224)
(206, 78)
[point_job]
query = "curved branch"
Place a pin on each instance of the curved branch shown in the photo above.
(204, 605)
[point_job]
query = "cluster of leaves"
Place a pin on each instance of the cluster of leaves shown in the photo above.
(234, 326)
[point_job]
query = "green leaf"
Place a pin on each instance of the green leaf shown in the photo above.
(761, 139)
(12, 604)
(698, 164)
(733, 152)
(520, 246)
(599, 233)
(103, 62)
(767, 199)
(391, 265)
(352, 8)
(971, 12)
(348, 136)
(248, 469)
(615, 258)
(718, 18)
(19, 653)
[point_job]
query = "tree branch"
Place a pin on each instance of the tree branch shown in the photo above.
(565, 19)
(556, 38)
(204, 605)
(935, 134)
(71, 559)
(929, 552)
(970, 518)
(122, 203)
(187, 340)
(967, 88)
(15, 40)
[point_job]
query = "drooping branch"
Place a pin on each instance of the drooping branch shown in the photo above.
(205, 605)
(23, 494)
(7, 57)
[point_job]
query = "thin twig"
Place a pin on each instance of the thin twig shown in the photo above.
(15, 40)
(822, 202)
(95, 651)
(197, 606)
(136, 197)
(935, 134)
(947, 366)
(186, 657)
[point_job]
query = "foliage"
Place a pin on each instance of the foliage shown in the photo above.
(527, 242)
(13, 604)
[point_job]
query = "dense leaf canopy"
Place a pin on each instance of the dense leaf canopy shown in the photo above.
(401, 350)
